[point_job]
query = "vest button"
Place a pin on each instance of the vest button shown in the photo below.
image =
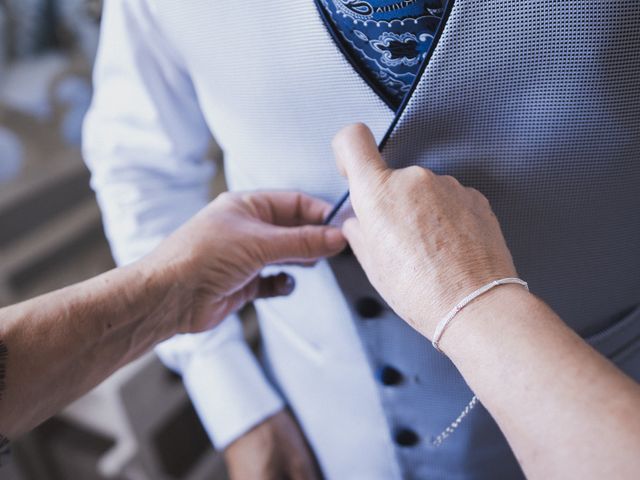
(406, 437)
(368, 307)
(389, 376)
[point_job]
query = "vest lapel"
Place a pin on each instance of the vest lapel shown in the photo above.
(341, 208)
(423, 66)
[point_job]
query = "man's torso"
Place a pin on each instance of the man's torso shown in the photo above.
(537, 106)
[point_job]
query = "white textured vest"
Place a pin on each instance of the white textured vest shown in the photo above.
(534, 103)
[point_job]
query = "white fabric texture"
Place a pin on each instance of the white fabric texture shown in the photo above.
(535, 104)
(144, 140)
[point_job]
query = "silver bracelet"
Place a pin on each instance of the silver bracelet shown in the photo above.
(442, 326)
(444, 323)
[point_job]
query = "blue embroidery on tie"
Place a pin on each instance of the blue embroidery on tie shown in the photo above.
(389, 39)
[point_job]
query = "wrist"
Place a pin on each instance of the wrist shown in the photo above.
(161, 296)
(486, 317)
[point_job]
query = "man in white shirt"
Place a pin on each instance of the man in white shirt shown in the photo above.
(145, 141)
(274, 86)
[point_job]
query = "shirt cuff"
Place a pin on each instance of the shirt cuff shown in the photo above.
(230, 392)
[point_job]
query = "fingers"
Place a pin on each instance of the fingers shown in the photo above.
(289, 209)
(357, 155)
(302, 244)
(279, 285)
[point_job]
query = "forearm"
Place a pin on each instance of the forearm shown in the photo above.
(565, 409)
(63, 344)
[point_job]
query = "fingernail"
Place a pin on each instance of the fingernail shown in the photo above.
(334, 239)
(288, 284)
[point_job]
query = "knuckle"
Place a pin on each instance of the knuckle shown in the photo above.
(416, 171)
(234, 198)
(479, 196)
(451, 182)
(246, 197)
(450, 179)
(225, 196)
(419, 174)
(306, 241)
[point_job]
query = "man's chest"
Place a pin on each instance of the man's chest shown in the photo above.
(537, 106)
(274, 87)
(275, 73)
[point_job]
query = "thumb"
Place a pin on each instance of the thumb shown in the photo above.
(357, 155)
(301, 244)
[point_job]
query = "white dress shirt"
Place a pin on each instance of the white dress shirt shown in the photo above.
(166, 76)
(501, 109)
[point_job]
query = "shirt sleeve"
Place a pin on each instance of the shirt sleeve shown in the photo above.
(145, 141)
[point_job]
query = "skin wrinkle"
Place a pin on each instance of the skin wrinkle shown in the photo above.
(298, 211)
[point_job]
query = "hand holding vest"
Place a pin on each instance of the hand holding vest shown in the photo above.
(424, 240)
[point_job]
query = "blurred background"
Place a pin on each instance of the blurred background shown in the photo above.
(139, 424)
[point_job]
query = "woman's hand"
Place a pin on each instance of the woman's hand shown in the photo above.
(214, 260)
(64, 343)
(424, 240)
(273, 450)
